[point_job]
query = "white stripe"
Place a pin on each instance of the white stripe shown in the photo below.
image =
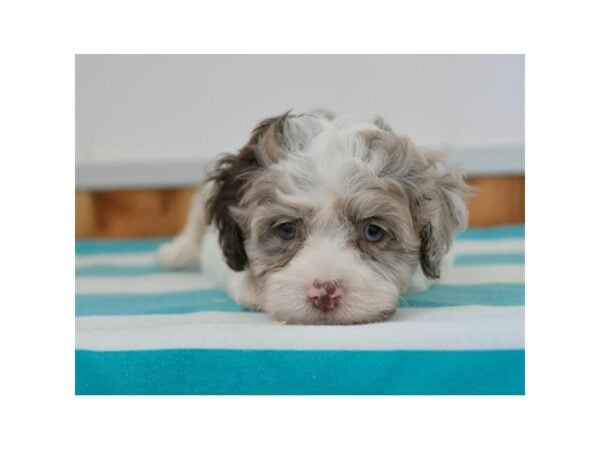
(493, 273)
(169, 282)
(117, 259)
(178, 282)
(456, 328)
(489, 246)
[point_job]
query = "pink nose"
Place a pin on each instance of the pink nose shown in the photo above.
(325, 295)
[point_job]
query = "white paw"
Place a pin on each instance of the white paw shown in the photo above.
(419, 282)
(241, 289)
(248, 302)
(181, 253)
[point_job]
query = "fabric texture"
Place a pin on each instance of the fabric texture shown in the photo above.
(143, 330)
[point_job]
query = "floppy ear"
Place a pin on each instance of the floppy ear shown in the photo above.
(439, 211)
(229, 179)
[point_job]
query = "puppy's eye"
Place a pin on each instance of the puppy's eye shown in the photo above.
(373, 233)
(286, 230)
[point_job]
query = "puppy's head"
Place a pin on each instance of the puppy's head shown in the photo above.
(332, 216)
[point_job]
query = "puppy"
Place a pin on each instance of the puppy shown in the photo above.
(322, 220)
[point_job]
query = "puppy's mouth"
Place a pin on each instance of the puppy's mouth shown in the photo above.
(335, 318)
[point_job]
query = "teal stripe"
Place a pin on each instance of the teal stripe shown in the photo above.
(271, 372)
(493, 294)
(155, 303)
(117, 270)
(489, 258)
(508, 231)
(216, 300)
(95, 246)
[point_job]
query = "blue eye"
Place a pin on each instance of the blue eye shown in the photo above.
(373, 233)
(286, 231)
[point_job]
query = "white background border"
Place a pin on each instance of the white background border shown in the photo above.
(39, 40)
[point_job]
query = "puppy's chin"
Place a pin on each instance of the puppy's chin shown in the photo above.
(333, 318)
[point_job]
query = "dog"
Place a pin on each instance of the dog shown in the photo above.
(323, 220)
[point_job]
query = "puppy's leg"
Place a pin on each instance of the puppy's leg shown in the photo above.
(184, 251)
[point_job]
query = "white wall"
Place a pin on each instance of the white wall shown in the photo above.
(138, 110)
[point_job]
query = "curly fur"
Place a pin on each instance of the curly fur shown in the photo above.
(330, 177)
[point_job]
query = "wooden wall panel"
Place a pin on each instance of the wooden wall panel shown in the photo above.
(85, 214)
(132, 213)
(498, 201)
(162, 212)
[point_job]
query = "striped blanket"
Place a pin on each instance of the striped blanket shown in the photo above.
(141, 330)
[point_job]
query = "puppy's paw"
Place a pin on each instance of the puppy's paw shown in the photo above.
(241, 289)
(181, 253)
(245, 296)
(250, 303)
(419, 282)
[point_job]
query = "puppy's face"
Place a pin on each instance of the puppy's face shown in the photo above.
(331, 218)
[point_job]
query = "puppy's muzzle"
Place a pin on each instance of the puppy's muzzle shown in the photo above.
(325, 295)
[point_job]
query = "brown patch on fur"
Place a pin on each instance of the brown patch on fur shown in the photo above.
(388, 208)
(281, 260)
(428, 253)
(436, 194)
(276, 253)
(268, 137)
(373, 250)
(439, 211)
(388, 254)
(232, 175)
